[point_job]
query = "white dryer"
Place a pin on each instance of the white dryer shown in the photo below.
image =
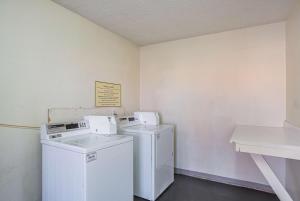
(79, 165)
(153, 153)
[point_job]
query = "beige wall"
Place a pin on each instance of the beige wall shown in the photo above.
(51, 57)
(293, 68)
(208, 84)
(293, 94)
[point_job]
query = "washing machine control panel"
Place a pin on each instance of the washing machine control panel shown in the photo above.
(58, 130)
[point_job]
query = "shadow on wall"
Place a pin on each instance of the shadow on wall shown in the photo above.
(293, 178)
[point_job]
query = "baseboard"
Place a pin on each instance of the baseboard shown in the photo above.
(225, 180)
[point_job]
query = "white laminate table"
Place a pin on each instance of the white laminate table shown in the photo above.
(269, 141)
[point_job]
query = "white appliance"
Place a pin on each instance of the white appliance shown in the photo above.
(147, 118)
(153, 153)
(102, 124)
(80, 165)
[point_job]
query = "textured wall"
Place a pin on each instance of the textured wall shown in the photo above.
(208, 84)
(51, 57)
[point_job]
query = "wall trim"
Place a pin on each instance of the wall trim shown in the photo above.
(225, 180)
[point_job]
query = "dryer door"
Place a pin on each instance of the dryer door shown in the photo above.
(164, 168)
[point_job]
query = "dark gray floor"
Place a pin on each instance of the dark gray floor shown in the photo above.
(191, 189)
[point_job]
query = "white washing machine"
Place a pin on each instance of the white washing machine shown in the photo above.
(80, 165)
(153, 153)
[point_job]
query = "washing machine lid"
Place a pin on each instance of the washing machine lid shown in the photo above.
(89, 142)
(147, 129)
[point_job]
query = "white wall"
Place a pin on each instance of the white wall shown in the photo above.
(208, 84)
(293, 94)
(51, 57)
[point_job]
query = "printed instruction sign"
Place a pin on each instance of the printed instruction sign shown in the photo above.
(107, 94)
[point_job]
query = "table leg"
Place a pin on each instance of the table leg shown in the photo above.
(271, 177)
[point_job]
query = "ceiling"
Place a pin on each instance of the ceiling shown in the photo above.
(152, 21)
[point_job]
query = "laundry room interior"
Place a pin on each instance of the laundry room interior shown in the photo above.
(172, 100)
